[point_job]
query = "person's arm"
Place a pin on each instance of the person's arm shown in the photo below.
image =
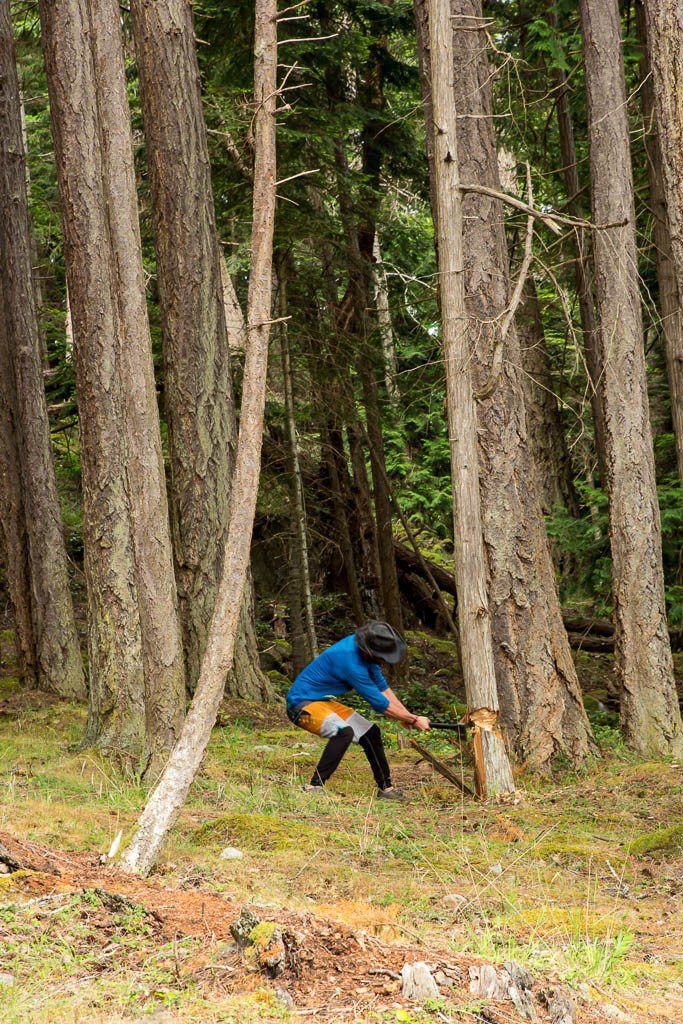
(400, 712)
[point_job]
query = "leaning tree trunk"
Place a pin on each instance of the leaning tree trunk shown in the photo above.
(492, 769)
(117, 698)
(13, 519)
(649, 705)
(303, 621)
(164, 805)
(58, 659)
(670, 277)
(197, 378)
(162, 649)
(540, 696)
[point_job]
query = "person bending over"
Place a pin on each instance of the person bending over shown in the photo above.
(352, 664)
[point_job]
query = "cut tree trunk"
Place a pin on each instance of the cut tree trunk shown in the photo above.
(493, 774)
(162, 649)
(197, 376)
(165, 803)
(58, 663)
(670, 282)
(117, 699)
(539, 692)
(649, 706)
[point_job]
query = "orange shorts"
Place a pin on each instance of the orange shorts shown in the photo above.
(326, 717)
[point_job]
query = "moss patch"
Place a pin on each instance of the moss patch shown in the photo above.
(259, 832)
(664, 841)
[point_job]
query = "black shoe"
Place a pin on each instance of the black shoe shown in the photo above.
(393, 793)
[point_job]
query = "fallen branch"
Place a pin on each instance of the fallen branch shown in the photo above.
(441, 768)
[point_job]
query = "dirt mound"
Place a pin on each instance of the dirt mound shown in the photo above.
(330, 966)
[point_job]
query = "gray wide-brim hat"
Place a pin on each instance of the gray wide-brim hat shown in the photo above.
(380, 640)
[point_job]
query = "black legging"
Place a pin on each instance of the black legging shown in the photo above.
(336, 747)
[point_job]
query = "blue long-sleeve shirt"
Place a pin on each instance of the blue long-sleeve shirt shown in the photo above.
(337, 670)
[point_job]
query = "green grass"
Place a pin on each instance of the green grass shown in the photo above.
(555, 882)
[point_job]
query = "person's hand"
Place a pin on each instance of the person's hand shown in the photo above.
(421, 723)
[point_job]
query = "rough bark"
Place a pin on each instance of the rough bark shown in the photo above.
(493, 775)
(582, 268)
(546, 435)
(162, 649)
(184, 763)
(669, 281)
(649, 707)
(198, 387)
(13, 519)
(58, 662)
(117, 698)
(540, 697)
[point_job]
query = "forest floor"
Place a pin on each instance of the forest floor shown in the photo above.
(581, 882)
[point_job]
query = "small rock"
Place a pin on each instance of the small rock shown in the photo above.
(7, 980)
(231, 853)
(443, 979)
(496, 869)
(455, 899)
(4, 870)
(283, 996)
(613, 1012)
(265, 747)
(418, 983)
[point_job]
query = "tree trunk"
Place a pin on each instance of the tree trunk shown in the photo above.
(198, 385)
(13, 518)
(117, 699)
(386, 331)
(300, 578)
(582, 267)
(359, 260)
(669, 282)
(649, 706)
(546, 435)
(184, 763)
(58, 659)
(162, 649)
(35, 270)
(540, 697)
(493, 775)
(365, 532)
(341, 503)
